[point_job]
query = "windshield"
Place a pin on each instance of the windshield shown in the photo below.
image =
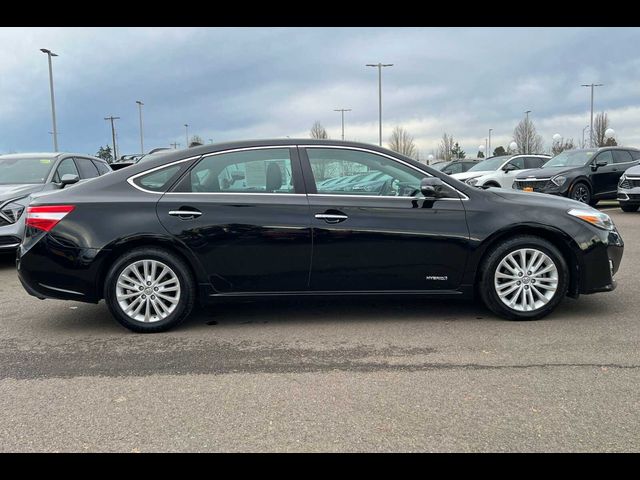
(24, 170)
(571, 158)
(489, 164)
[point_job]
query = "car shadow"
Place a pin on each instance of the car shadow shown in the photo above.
(7, 260)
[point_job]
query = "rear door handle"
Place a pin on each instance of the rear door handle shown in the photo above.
(331, 217)
(186, 213)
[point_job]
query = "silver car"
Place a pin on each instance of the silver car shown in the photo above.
(629, 189)
(25, 174)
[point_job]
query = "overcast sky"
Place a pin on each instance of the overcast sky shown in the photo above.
(241, 83)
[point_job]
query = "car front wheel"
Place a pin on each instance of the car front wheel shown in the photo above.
(149, 290)
(629, 208)
(524, 278)
(580, 192)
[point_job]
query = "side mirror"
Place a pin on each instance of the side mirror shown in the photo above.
(509, 167)
(69, 179)
(432, 187)
(597, 165)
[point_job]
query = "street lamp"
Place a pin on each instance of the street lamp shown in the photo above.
(591, 123)
(481, 149)
(609, 133)
(342, 110)
(186, 129)
(513, 146)
(429, 159)
(140, 104)
(557, 138)
(526, 127)
(380, 66)
(53, 102)
(489, 147)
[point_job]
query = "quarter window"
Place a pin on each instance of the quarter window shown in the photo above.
(249, 171)
(353, 172)
(159, 180)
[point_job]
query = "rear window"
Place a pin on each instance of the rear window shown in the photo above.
(635, 154)
(160, 180)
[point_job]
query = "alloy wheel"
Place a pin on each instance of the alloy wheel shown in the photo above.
(580, 193)
(148, 291)
(526, 279)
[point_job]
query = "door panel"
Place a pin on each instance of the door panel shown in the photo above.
(605, 179)
(380, 235)
(242, 215)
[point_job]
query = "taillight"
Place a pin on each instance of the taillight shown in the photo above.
(47, 217)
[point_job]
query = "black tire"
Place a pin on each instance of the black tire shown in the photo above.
(581, 192)
(629, 208)
(491, 262)
(492, 184)
(187, 289)
(593, 203)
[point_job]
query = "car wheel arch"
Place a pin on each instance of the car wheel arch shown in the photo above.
(559, 239)
(113, 251)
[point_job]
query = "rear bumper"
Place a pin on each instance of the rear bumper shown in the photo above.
(49, 269)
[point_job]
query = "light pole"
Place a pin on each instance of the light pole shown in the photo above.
(526, 126)
(186, 130)
(380, 66)
(489, 147)
(591, 122)
(113, 135)
(481, 149)
(583, 135)
(342, 110)
(53, 102)
(140, 104)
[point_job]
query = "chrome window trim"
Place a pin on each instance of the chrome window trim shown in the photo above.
(379, 197)
(131, 179)
(374, 152)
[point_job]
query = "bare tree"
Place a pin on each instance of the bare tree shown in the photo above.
(600, 126)
(318, 131)
(445, 147)
(559, 147)
(401, 142)
(527, 138)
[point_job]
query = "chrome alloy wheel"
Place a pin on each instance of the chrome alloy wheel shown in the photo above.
(148, 291)
(580, 193)
(526, 279)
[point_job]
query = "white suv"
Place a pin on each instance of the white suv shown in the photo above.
(500, 171)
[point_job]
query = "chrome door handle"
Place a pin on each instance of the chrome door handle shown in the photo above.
(331, 217)
(185, 213)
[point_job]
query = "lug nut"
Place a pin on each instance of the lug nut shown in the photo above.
(155, 289)
(148, 283)
(519, 274)
(529, 273)
(533, 280)
(144, 297)
(141, 288)
(153, 297)
(518, 282)
(526, 287)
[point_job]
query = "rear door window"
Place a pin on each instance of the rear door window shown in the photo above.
(621, 156)
(534, 162)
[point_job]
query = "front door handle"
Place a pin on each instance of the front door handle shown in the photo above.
(186, 213)
(331, 217)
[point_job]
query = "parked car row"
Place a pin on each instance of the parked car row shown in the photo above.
(585, 175)
(306, 217)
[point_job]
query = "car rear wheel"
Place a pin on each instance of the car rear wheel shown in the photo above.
(524, 278)
(580, 192)
(629, 208)
(149, 290)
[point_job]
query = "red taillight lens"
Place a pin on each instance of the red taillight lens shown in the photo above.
(45, 218)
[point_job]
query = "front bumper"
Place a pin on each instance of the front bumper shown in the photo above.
(546, 186)
(629, 196)
(11, 235)
(600, 262)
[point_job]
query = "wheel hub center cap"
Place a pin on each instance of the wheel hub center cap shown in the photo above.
(148, 291)
(525, 280)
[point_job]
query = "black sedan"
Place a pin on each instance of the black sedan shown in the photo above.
(585, 175)
(257, 219)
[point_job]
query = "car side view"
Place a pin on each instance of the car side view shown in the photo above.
(500, 171)
(25, 174)
(259, 219)
(585, 175)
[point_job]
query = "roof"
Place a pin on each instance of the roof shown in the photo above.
(48, 155)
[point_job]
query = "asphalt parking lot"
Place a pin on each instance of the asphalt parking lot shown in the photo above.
(325, 375)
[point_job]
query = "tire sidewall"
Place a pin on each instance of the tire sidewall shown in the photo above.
(186, 290)
(573, 189)
(488, 291)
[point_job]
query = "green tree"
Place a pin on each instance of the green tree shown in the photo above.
(105, 153)
(457, 152)
(499, 151)
(480, 154)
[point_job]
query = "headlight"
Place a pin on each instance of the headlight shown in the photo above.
(594, 217)
(622, 179)
(471, 181)
(12, 211)
(559, 180)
